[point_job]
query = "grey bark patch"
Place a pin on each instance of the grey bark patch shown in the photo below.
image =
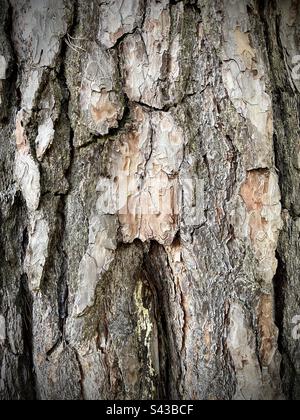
(2, 329)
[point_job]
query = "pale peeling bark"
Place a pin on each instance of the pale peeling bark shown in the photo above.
(101, 103)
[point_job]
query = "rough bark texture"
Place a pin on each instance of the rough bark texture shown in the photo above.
(101, 299)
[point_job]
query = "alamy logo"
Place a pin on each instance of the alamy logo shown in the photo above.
(157, 196)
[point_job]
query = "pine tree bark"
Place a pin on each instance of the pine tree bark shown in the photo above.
(199, 297)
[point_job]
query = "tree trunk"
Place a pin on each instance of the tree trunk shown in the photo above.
(149, 199)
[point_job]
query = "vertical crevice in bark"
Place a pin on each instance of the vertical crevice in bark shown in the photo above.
(19, 343)
(290, 380)
(286, 121)
(155, 283)
(62, 285)
(280, 278)
(11, 97)
(279, 282)
(25, 304)
(26, 367)
(81, 379)
(162, 281)
(63, 280)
